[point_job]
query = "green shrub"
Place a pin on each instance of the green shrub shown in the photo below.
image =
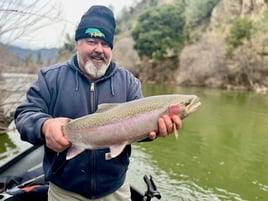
(240, 32)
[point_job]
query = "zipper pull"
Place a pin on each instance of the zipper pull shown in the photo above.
(92, 102)
(92, 87)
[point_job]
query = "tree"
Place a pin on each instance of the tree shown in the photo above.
(240, 32)
(199, 10)
(29, 61)
(39, 59)
(68, 48)
(22, 17)
(160, 31)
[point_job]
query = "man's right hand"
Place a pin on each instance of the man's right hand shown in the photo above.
(52, 131)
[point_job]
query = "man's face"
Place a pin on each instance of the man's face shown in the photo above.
(94, 57)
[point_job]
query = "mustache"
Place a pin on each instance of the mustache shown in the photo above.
(97, 55)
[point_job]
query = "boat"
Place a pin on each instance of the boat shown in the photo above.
(22, 179)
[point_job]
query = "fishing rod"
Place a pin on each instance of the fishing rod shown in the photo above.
(34, 182)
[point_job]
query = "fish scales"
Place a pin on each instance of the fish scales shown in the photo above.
(133, 109)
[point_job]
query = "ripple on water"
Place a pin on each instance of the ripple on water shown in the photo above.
(172, 189)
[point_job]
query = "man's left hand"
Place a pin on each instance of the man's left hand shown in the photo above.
(166, 126)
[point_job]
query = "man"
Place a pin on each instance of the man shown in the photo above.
(74, 89)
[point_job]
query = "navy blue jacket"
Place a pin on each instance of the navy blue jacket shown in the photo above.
(63, 90)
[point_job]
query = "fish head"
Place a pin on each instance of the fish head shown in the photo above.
(184, 105)
(191, 105)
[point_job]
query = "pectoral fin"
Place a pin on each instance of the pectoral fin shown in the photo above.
(74, 151)
(115, 151)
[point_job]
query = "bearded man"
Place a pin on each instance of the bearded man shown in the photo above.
(74, 89)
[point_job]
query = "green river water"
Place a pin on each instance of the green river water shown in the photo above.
(221, 153)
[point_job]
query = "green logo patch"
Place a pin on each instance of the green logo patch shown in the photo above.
(92, 32)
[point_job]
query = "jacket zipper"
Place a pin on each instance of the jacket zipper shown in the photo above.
(92, 156)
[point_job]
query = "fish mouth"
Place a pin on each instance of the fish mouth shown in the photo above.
(192, 105)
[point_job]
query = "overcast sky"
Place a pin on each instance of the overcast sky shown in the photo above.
(72, 10)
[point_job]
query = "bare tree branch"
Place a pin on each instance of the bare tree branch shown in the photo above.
(19, 18)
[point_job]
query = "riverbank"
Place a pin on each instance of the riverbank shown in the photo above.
(13, 87)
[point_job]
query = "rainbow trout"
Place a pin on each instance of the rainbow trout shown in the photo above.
(116, 125)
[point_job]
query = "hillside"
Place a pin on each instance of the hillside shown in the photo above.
(17, 59)
(43, 55)
(246, 68)
(203, 61)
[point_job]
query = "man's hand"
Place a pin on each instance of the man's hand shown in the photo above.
(52, 130)
(166, 126)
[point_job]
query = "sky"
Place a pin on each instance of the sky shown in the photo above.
(72, 10)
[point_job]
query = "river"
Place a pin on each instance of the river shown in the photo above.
(221, 153)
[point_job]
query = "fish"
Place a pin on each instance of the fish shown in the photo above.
(115, 125)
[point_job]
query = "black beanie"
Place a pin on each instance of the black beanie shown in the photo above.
(97, 22)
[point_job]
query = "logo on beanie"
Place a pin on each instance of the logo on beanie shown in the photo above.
(93, 32)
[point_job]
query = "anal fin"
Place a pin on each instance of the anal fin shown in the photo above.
(115, 151)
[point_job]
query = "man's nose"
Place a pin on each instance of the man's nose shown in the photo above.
(98, 47)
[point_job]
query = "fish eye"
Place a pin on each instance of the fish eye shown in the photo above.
(188, 102)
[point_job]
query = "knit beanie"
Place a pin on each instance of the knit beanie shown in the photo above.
(97, 22)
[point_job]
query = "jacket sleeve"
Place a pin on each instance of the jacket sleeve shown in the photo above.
(30, 114)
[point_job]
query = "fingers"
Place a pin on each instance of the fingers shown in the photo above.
(177, 120)
(166, 124)
(56, 142)
(52, 130)
(152, 135)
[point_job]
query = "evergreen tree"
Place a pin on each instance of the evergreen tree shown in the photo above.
(160, 31)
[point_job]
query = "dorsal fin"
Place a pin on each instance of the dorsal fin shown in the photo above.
(106, 106)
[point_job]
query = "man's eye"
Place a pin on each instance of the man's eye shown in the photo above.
(104, 44)
(91, 42)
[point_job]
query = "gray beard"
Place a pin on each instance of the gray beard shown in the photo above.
(96, 71)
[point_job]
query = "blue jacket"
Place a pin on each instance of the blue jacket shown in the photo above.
(62, 90)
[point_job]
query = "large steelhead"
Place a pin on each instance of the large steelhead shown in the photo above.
(115, 125)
